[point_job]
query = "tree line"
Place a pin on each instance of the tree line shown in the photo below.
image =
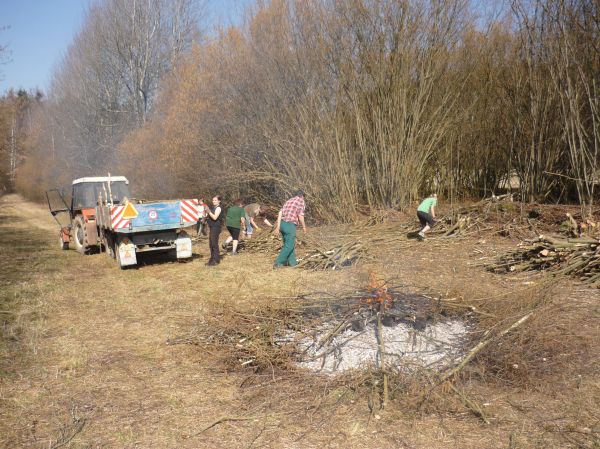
(365, 104)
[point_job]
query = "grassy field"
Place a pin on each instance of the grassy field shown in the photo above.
(96, 357)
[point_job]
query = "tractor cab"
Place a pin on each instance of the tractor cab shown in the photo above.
(87, 191)
(77, 216)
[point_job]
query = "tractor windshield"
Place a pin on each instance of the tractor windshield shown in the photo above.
(85, 194)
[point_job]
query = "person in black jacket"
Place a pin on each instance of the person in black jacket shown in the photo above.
(214, 220)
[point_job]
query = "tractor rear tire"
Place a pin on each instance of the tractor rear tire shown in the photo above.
(80, 235)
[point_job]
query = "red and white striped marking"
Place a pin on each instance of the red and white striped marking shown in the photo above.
(116, 217)
(189, 210)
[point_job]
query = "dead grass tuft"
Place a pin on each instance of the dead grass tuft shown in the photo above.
(556, 344)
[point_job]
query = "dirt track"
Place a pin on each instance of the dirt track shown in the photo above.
(85, 361)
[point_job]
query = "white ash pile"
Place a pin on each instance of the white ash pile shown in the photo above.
(403, 327)
(436, 346)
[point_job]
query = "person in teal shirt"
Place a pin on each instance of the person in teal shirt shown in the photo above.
(235, 222)
(426, 214)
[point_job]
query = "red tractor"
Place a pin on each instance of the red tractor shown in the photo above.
(77, 214)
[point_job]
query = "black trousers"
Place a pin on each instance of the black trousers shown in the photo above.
(213, 243)
(425, 218)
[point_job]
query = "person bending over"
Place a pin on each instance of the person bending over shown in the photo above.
(253, 211)
(426, 214)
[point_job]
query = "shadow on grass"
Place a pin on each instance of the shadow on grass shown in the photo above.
(413, 235)
(161, 258)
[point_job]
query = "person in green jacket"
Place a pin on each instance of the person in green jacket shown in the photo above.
(235, 222)
(426, 214)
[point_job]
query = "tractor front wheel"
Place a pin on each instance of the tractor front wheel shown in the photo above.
(63, 245)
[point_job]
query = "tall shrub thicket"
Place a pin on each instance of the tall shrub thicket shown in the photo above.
(375, 103)
(365, 104)
(350, 100)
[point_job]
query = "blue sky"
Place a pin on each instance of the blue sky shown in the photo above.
(40, 32)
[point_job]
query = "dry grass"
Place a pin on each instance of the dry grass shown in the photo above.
(97, 357)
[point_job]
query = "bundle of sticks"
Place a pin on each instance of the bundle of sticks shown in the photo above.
(578, 257)
(267, 243)
(264, 243)
(340, 256)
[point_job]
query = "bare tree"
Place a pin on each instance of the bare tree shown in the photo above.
(4, 53)
(108, 80)
(575, 69)
(15, 125)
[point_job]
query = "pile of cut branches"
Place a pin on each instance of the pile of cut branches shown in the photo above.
(461, 221)
(265, 243)
(340, 256)
(471, 218)
(579, 257)
(268, 243)
(319, 257)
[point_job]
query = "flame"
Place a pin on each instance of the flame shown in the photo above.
(380, 295)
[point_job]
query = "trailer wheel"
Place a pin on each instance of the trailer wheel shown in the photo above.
(79, 234)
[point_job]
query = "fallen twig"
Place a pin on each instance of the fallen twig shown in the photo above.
(226, 419)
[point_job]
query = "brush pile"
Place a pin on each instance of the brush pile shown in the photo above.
(332, 258)
(475, 217)
(331, 334)
(264, 243)
(578, 257)
(462, 221)
(338, 257)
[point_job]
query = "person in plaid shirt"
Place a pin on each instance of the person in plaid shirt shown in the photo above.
(289, 216)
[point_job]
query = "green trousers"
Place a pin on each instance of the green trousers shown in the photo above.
(288, 253)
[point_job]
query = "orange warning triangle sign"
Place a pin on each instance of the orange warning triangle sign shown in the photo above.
(129, 212)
